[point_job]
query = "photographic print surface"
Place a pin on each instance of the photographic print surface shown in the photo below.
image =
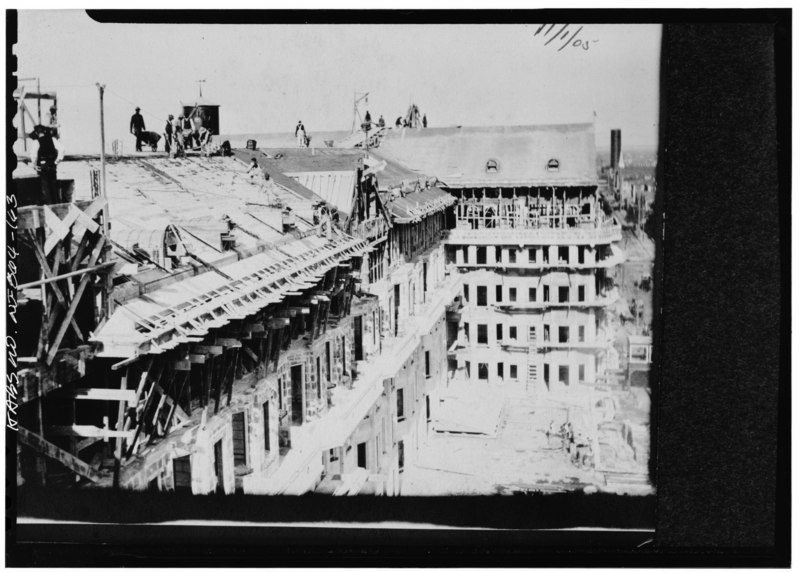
(387, 260)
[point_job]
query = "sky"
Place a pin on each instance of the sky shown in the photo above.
(267, 77)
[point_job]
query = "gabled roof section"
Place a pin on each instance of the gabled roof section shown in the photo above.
(330, 174)
(413, 207)
(537, 155)
(394, 174)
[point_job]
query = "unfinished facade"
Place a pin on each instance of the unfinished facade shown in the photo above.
(534, 248)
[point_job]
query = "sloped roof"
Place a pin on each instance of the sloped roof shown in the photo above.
(337, 188)
(276, 173)
(300, 160)
(415, 206)
(393, 174)
(199, 195)
(458, 156)
(185, 311)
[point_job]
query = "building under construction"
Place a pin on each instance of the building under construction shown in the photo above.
(197, 326)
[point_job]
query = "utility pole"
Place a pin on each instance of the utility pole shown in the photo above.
(101, 89)
(39, 99)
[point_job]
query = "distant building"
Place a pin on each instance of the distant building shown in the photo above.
(534, 248)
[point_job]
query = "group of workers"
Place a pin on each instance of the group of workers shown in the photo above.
(179, 134)
(578, 448)
(401, 122)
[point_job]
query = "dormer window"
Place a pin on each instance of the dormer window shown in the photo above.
(492, 166)
(552, 165)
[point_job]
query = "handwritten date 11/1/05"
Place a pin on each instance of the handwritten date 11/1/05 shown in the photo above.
(558, 33)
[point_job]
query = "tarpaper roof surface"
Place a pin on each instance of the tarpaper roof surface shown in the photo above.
(458, 156)
(414, 206)
(199, 195)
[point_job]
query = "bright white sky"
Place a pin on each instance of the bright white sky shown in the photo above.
(265, 78)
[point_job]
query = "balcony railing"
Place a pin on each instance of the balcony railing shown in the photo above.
(543, 232)
(370, 229)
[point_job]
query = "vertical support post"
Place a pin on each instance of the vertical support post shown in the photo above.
(120, 427)
(103, 192)
(22, 120)
(101, 89)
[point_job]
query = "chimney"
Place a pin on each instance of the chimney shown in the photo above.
(616, 147)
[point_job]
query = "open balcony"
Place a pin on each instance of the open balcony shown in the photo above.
(505, 222)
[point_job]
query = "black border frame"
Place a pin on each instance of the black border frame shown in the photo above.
(684, 535)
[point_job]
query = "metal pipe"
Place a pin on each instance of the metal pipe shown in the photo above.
(67, 275)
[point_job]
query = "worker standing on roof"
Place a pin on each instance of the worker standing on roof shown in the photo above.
(253, 170)
(46, 154)
(367, 121)
(268, 189)
(300, 134)
(137, 127)
(424, 121)
(186, 131)
(381, 122)
(168, 133)
(177, 141)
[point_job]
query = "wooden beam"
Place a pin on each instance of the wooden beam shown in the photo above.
(73, 463)
(87, 431)
(121, 426)
(236, 359)
(98, 249)
(181, 414)
(42, 258)
(141, 418)
(250, 353)
(84, 443)
(102, 394)
(175, 405)
(95, 268)
(211, 350)
(229, 342)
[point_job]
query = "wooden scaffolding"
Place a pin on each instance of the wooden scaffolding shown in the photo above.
(64, 266)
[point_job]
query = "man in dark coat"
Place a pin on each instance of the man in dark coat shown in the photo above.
(137, 127)
(46, 154)
(168, 133)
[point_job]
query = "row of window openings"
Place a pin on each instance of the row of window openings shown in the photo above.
(239, 431)
(563, 294)
(563, 372)
(563, 333)
(563, 255)
(361, 454)
(182, 467)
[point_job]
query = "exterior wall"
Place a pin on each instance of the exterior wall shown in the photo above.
(522, 283)
(382, 429)
(197, 443)
(528, 352)
(528, 256)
